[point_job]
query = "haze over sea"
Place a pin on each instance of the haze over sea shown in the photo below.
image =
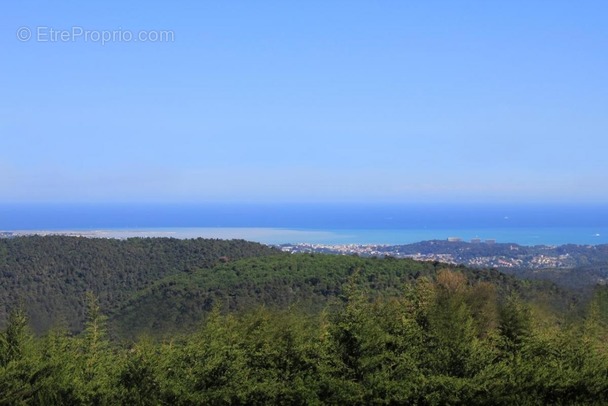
(320, 223)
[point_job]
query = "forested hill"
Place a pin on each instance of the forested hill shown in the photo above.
(246, 324)
(161, 286)
(308, 282)
(50, 275)
(446, 339)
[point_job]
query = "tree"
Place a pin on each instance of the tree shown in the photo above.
(15, 338)
(514, 324)
(96, 368)
(21, 371)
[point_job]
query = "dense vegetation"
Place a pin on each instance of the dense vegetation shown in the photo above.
(306, 282)
(574, 267)
(581, 279)
(230, 322)
(163, 285)
(50, 275)
(450, 341)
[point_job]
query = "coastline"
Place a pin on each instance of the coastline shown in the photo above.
(550, 236)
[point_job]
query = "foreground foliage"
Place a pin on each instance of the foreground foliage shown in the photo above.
(444, 341)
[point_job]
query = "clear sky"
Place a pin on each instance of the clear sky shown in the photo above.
(363, 101)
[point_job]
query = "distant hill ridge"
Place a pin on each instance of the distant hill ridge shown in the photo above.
(50, 275)
(308, 282)
(163, 285)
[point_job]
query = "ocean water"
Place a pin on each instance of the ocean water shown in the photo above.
(321, 223)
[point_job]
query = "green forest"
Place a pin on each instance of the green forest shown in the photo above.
(50, 275)
(246, 324)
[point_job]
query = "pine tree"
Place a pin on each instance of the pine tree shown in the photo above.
(514, 324)
(22, 373)
(15, 338)
(96, 368)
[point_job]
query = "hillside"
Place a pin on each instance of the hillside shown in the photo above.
(571, 266)
(447, 340)
(231, 322)
(50, 275)
(308, 282)
(160, 286)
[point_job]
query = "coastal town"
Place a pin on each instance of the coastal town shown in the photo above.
(474, 254)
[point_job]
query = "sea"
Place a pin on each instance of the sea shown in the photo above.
(326, 224)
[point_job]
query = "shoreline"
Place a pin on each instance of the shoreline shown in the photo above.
(339, 237)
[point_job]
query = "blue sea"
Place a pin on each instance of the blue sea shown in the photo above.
(320, 223)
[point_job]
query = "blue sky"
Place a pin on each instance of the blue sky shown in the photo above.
(324, 101)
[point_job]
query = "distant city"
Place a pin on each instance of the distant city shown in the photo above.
(476, 253)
